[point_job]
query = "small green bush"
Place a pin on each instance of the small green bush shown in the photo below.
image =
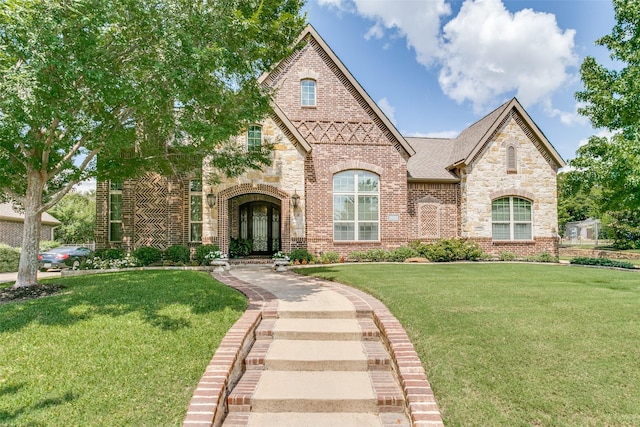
(446, 250)
(357, 256)
(301, 255)
(45, 245)
(202, 251)
(377, 255)
(602, 262)
(330, 257)
(177, 253)
(508, 256)
(9, 258)
(147, 255)
(109, 253)
(402, 253)
(543, 257)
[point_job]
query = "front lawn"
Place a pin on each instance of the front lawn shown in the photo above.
(122, 349)
(517, 344)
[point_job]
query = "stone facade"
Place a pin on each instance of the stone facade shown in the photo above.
(428, 190)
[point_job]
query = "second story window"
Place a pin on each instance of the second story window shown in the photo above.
(308, 93)
(254, 138)
(115, 211)
(195, 210)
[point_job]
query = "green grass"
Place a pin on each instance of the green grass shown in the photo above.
(122, 349)
(517, 344)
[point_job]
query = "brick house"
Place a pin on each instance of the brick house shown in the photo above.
(12, 226)
(343, 178)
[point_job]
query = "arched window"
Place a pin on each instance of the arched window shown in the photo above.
(512, 165)
(308, 93)
(511, 219)
(254, 137)
(356, 206)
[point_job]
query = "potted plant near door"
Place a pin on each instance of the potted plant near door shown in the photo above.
(240, 247)
(280, 261)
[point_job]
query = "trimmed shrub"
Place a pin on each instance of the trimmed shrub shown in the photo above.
(202, 251)
(543, 257)
(446, 250)
(301, 255)
(507, 256)
(147, 255)
(330, 257)
(402, 253)
(177, 253)
(357, 256)
(109, 253)
(601, 262)
(377, 255)
(9, 258)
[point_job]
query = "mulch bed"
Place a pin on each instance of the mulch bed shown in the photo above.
(28, 292)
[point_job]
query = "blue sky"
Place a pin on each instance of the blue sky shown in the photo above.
(437, 66)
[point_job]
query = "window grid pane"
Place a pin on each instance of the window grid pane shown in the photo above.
(368, 208)
(308, 93)
(115, 232)
(343, 208)
(254, 137)
(522, 232)
(501, 231)
(196, 208)
(521, 210)
(367, 182)
(356, 221)
(115, 207)
(195, 234)
(500, 210)
(344, 182)
(343, 231)
(511, 219)
(368, 231)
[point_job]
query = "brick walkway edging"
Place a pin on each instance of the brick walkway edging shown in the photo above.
(208, 404)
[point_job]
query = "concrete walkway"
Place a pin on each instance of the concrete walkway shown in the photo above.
(11, 277)
(311, 353)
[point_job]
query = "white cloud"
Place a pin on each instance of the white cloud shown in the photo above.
(418, 21)
(569, 118)
(388, 109)
(602, 133)
(85, 186)
(488, 51)
(446, 134)
(485, 53)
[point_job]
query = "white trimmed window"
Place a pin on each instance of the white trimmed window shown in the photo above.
(356, 206)
(511, 219)
(115, 211)
(254, 137)
(195, 210)
(308, 93)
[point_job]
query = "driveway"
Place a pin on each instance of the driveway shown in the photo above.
(11, 277)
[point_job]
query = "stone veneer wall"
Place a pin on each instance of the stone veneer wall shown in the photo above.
(487, 178)
(277, 182)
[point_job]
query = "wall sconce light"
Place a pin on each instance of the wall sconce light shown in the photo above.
(211, 199)
(295, 199)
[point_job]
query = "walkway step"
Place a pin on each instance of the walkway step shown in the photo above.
(305, 391)
(317, 329)
(313, 355)
(292, 419)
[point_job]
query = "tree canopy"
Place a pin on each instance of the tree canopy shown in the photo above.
(77, 213)
(611, 98)
(144, 84)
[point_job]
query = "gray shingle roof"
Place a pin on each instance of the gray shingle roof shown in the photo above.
(431, 159)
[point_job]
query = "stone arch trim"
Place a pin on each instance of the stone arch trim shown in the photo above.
(512, 192)
(248, 190)
(356, 164)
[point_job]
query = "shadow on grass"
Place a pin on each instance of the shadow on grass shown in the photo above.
(8, 416)
(148, 293)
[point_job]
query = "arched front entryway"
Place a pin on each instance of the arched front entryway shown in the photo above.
(259, 223)
(258, 212)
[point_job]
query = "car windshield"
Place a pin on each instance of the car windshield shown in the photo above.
(64, 249)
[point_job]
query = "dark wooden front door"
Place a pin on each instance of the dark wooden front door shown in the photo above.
(260, 223)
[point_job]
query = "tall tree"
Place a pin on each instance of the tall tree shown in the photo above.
(77, 213)
(611, 98)
(144, 84)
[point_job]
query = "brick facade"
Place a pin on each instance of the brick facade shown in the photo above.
(11, 233)
(343, 131)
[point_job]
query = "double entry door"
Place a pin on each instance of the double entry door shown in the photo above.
(260, 223)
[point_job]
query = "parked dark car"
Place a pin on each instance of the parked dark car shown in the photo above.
(62, 257)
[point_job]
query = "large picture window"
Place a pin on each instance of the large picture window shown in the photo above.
(308, 93)
(195, 210)
(356, 206)
(511, 219)
(115, 211)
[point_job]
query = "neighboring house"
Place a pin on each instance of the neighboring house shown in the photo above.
(11, 226)
(343, 178)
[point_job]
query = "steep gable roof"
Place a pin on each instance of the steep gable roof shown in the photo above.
(309, 31)
(473, 139)
(436, 158)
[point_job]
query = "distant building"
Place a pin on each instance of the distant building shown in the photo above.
(11, 226)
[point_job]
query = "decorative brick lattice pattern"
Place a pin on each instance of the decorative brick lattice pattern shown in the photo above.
(151, 212)
(429, 216)
(341, 132)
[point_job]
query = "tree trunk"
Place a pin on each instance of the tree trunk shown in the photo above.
(28, 266)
